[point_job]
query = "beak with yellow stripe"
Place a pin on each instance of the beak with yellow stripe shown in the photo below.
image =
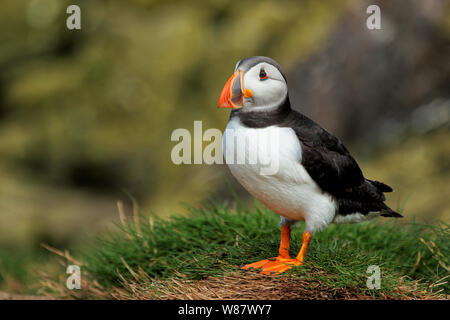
(233, 92)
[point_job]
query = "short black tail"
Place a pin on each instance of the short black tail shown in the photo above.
(388, 212)
(381, 186)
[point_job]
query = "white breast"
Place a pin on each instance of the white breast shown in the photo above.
(267, 162)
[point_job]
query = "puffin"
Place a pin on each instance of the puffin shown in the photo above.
(316, 179)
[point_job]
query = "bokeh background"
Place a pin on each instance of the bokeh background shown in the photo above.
(86, 115)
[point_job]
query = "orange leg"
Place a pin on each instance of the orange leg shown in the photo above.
(305, 244)
(283, 262)
(283, 251)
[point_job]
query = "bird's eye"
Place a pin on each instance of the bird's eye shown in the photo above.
(262, 74)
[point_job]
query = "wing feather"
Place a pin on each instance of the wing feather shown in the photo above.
(332, 167)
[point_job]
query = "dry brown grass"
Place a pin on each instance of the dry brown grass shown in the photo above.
(13, 296)
(248, 286)
(235, 286)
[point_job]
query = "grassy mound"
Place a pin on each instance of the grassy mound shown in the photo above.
(212, 242)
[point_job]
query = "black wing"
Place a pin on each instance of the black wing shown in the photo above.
(331, 166)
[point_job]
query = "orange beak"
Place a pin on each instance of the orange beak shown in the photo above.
(232, 95)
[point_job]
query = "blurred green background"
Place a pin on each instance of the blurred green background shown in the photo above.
(86, 115)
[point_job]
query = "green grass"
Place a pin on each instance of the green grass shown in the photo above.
(17, 269)
(13, 268)
(215, 240)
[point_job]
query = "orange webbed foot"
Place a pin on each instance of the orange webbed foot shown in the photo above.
(272, 266)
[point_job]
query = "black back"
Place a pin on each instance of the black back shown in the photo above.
(326, 160)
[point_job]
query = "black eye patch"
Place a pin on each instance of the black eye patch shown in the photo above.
(263, 75)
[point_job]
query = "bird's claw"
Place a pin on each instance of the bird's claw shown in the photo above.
(272, 266)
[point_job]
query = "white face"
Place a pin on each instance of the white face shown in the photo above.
(269, 91)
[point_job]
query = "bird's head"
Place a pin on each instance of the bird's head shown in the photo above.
(257, 84)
